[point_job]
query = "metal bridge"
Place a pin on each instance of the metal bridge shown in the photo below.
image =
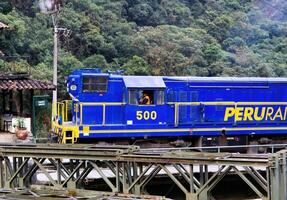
(133, 168)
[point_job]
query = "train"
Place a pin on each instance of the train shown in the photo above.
(180, 112)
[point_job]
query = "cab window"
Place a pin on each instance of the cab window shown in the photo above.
(133, 96)
(146, 97)
(160, 97)
(95, 84)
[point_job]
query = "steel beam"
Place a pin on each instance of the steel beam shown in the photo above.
(133, 168)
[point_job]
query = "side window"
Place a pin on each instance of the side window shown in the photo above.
(133, 97)
(170, 96)
(145, 97)
(89, 84)
(95, 84)
(183, 96)
(160, 97)
(194, 96)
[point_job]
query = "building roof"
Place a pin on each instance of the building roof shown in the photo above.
(2, 25)
(22, 82)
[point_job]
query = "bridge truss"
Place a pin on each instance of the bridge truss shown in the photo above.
(131, 169)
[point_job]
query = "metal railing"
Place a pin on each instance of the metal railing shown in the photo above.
(104, 105)
(63, 108)
(132, 169)
(219, 149)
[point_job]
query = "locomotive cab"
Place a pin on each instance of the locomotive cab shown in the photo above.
(138, 112)
(107, 105)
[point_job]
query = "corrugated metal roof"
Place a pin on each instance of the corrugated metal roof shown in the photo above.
(143, 82)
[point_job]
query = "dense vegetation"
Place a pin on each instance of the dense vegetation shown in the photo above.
(159, 37)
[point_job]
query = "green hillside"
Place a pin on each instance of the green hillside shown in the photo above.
(158, 37)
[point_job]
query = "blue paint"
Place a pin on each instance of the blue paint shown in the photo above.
(177, 89)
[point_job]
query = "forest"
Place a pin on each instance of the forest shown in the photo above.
(148, 37)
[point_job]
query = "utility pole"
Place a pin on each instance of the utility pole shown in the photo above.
(52, 7)
(55, 62)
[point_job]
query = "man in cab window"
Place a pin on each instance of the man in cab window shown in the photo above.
(145, 99)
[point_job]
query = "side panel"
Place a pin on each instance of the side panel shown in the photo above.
(92, 115)
(238, 108)
(115, 115)
(146, 114)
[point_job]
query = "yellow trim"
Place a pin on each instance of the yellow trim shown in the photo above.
(186, 130)
(101, 103)
(262, 103)
(66, 110)
(81, 114)
(240, 129)
(235, 106)
(228, 103)
(74, 136)
(86, 129)
(140, 130)
(188, 103)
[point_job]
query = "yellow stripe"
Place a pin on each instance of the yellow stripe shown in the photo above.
(262, 103)
(186, 130)
(81, 114)
(189, 103)
(102, 103)
(140, 130)
(239, 129)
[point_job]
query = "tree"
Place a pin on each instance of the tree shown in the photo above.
(136, 66)
(95, 61)
(67, 63)
(158, 37)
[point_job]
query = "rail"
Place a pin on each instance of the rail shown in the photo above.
(220, 149)
(194, 173)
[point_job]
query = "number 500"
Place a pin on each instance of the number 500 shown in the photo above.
(146, 115)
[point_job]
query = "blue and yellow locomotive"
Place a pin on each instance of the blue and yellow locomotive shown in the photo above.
(177, 110)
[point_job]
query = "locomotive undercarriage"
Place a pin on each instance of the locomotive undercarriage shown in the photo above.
(143, 142)
(250, 144)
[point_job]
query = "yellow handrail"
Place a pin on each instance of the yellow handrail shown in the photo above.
(60, 108)
(103, 104)
(76, 110)
(63, 109)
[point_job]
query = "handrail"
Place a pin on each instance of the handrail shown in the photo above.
(176, 114)
(103, 104)
(60, 109)
(76, 109)
(197, 103)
